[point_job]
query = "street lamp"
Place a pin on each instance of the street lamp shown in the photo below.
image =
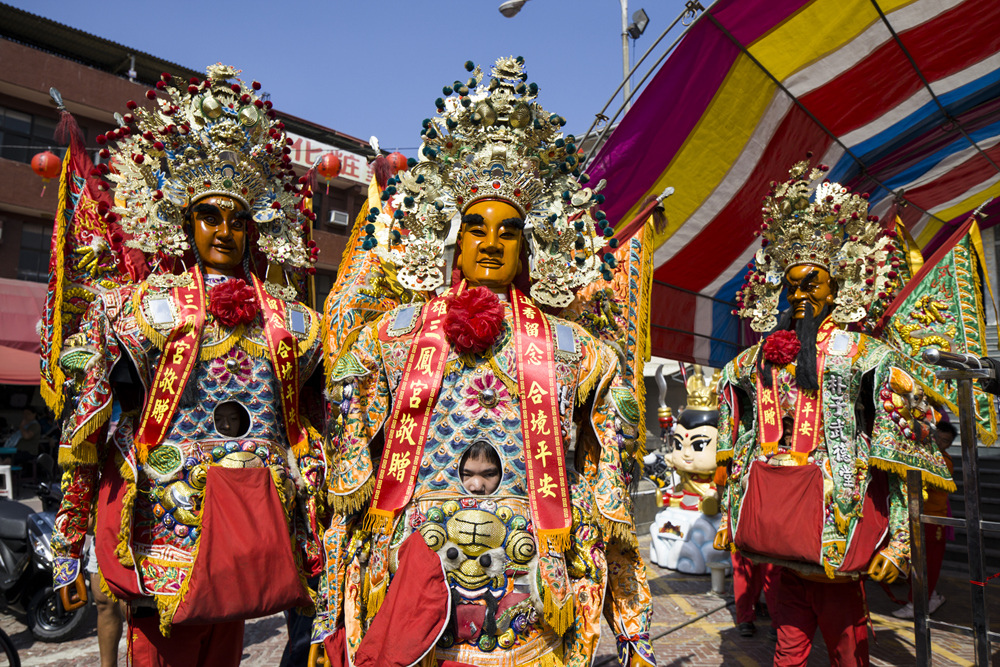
(638, 24)
(633, 30)
(510, 8)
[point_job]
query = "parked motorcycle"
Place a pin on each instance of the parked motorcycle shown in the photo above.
(26, 563)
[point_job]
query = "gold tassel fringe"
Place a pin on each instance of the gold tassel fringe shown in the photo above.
(378, 521)
(552, 659)
(89, 427)
(315, 323)
(351, 503)
(122, 550)
(843, 522)
(901, 469)
(620, 531)
(312, 436)
(53, 396)
(587, 385)
(643, 350)
(376, 596)
(559, 618)
(104, 586)
(154, 336)
(253, 348)
(216, 350)
(558, 541)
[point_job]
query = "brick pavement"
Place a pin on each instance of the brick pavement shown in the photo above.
(710, 641)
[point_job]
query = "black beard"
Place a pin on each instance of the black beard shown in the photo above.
(806, 330)
(805, 364)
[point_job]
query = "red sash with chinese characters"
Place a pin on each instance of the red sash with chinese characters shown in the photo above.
(282, 348)
(805, 433)
(548, 490)
(408, 424)
(180, 354)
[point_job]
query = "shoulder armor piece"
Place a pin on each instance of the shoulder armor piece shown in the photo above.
(347, 365)
(626, 404)
(283, 292)
(163, 281)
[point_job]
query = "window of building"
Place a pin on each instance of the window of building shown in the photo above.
(22, 135)
(325, 204)
(33, 263)
(323, 284)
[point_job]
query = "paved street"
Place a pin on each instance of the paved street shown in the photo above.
(711, 640)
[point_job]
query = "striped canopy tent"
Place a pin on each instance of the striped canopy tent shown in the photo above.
(901, 98)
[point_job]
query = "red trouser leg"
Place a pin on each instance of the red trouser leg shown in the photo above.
(934, 543)
(935, 554)
(843, 617)
(769, 575)
(217, 645)
(795, 618)
(748, 579)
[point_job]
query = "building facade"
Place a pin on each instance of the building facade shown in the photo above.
(96, 77)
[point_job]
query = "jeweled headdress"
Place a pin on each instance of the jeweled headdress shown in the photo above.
(494, 142)
(832, 229)
(204, 138)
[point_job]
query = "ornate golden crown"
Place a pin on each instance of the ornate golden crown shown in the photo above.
(830, 229)
(204, 138)
(495, 142)
(699, 395)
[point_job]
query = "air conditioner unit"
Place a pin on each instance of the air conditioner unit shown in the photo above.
(340, 218)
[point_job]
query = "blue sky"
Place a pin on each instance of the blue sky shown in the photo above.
(369, 67)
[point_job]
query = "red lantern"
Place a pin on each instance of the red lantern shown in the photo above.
(398, 162)
(328, 167)
(47, 165)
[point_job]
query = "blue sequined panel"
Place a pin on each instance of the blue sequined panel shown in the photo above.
(235, 376)
(474, 404)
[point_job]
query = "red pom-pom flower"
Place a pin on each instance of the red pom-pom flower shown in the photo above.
(781, 347)
(232, 302)
(474, 320)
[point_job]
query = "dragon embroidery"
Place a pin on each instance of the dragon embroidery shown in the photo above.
(919, 334)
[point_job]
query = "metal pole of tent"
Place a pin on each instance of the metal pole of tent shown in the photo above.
(970, 482)
(966, 369)
(918, 562)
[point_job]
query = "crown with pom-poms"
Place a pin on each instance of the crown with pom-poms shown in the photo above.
(826, 226)
(205, 138)
(494, 141)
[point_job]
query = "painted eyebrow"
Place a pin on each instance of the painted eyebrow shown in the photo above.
(206, 208)
(806, 281)
(513, 223)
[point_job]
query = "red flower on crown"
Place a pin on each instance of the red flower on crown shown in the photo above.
(474, 320)
(781, 347)
(232, 302)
